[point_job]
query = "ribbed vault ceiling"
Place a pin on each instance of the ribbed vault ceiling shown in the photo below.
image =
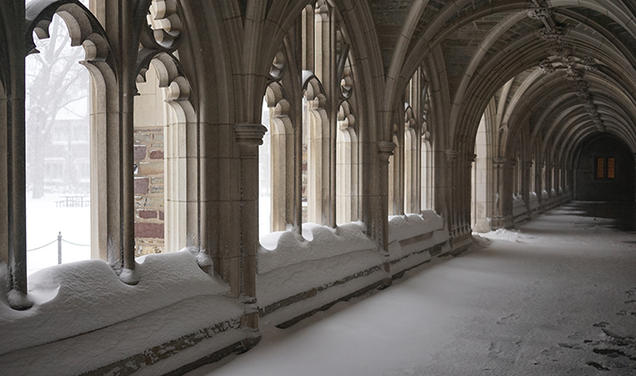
(569, 66)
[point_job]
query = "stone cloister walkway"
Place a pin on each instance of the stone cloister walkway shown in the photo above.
(557, 296)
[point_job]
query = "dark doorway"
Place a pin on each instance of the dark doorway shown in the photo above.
(604, 170)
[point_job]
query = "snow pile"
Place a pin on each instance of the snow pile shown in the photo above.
(4, 283)
(288, 248)
(290, 264)
(479, 241)
(415, 232)
(518, 205)
(410, 225)
(281, 283)
(502, 234)
(76, 298)
(140, 335)
(534, 201)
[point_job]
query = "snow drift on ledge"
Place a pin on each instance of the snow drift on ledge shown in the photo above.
(410, 225)
(76, 298)
(318, 242)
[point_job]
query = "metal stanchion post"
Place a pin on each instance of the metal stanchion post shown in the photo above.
(59, 248)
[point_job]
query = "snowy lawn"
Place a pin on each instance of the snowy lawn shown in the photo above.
(44, 221)
(556, 297)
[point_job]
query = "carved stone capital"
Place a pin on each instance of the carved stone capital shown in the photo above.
(385, 149)
(249, 134)
(499, 162)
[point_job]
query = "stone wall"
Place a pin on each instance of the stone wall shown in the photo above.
(150, 121)
(149, 196)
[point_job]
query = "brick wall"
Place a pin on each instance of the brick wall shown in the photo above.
(149, 197)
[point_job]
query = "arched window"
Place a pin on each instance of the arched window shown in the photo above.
(426, 160)
(265, 174)
(166, 142)
(427, 175)
(315, 153)
(395, 172)
(58, 132)
(411, 143)
(313, 146)
(480, 197)
(347, 166)
(163, 154)
(276, 157)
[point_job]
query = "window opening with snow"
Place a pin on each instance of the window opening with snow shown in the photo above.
(58, 136)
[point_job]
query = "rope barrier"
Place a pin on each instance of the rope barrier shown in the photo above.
(42, 246)
(55, 241)
(76, 244)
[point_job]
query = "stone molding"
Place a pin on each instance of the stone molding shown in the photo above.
(249, 134)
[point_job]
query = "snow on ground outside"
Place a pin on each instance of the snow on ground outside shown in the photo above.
(44, 221)
(79, 297)
(560, 299)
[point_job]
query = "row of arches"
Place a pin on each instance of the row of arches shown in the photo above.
(341, 144)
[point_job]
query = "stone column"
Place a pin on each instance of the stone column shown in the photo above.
(498, 220)
(467, 188)
(549, 186)
(16, 166)
(249, 137)
(4, 181)
(325, 70)
(538, 183)
(526, 167)
(127, 87)
(451, 191)
(385, 149)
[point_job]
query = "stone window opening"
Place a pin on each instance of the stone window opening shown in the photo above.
(58, 146)
(605, 168)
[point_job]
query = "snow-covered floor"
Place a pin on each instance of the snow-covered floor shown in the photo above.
(555, 297)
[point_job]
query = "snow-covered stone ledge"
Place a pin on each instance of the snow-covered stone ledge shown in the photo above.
(415, 239)
(298, 274)
(519, 209)
(84, 308)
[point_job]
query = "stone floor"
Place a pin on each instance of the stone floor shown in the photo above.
(557, 296)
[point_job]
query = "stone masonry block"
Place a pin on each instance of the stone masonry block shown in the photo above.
(149, 230)
(147, 214)
(140, 152)
(156, 154)
(141, 185)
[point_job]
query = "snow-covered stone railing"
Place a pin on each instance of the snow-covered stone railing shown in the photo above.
(519, 208)
(294, 268)
(75, 301)
(415, 238)
(297, 274)
(534, 201)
